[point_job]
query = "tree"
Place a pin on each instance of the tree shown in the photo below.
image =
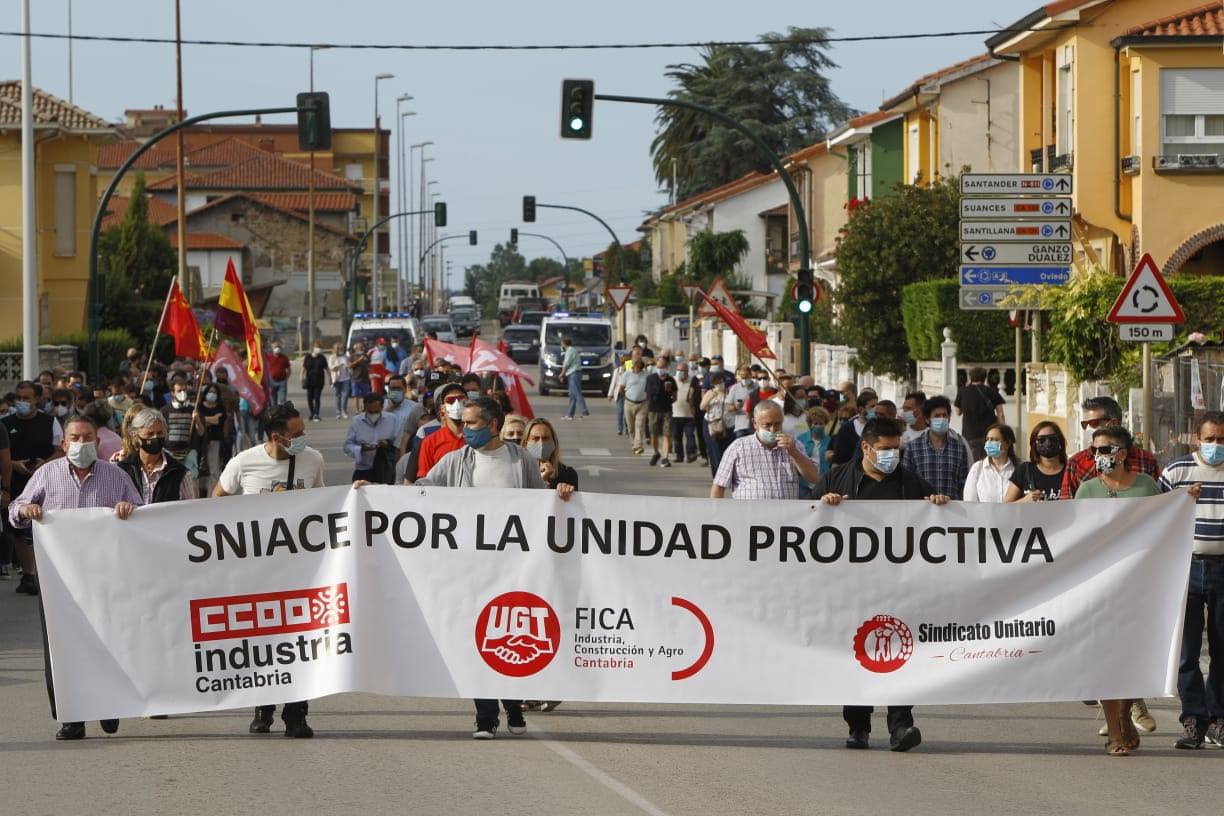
(137, 264)
(906, 236)
(482, 282)
(780, 91)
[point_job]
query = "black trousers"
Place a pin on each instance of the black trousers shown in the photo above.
(486, 711)
(314, 398)
(859, 717)
(289, 711)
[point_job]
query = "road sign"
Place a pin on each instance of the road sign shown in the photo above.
(1146, 333)
(1146, 298)
(817, 291)
(1052, 253)
(619, 295)
(720, 292)
(691, 290)
(1044, 207)
(1052, 230)
(1016, 183)
(983, 297)
(1014, 275)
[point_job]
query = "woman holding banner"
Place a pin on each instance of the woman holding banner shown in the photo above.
(1110, 447)
(990, 477)
(1040, 478)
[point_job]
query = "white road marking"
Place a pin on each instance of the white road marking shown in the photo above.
(611, 783)
(594, 452)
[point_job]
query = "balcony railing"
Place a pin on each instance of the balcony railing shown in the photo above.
(1064, 161)
(1189, 162)
(1131, 165)
(1035, 160)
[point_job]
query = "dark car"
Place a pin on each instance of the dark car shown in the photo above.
(521, 342)
(465, 321)
(530, 318)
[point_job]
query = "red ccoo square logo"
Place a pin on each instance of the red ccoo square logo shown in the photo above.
(269, 613)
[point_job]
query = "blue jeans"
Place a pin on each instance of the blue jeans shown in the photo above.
(684, 430)
(342, 395)
(620, 413)
(714, 449)
(280, 391)
(577, 402)
(1204, 606)
(487, 711)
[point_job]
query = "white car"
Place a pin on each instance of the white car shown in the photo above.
(439, 325)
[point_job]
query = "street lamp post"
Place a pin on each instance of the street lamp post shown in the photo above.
(310, 224)
(399, 197)
(375, 278)
(414, 203)
(620, 252)
(564, 259)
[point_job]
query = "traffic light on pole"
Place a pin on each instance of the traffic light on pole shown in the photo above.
(313, 121)
(805, 291)
(528, 209)
(472, 237)
(577, 103)
(440, 214)
(513, 236)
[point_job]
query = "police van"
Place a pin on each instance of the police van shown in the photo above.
(591, 334)
(368, 327)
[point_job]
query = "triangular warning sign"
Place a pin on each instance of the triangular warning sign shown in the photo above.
(1146, 298)
(720, 292)
(619, 295)
(691, 290)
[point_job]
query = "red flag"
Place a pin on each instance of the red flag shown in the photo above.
(179, 322)
(754, 339)
(488, 358)
(451, 353)
(518, 398)
(239, 379)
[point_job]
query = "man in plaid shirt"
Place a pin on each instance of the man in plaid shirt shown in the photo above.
(765, 464)
(939, 456)
(73, 481)
(1102, 412)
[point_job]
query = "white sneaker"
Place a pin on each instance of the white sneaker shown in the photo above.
(517, 730)
(1142, 718)
(484, 733)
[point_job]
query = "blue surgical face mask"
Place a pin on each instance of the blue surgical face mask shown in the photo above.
(715, 369)
(886, 461)
(1212, 453)
(396, 396)
(909, 417)
(296, 446)
(23, 409)
(993, 448)
(939, 425)
(871, 414)
(477, 438)
(767, 437)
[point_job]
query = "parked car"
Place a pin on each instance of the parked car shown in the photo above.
(521, 342)
(530, 318)
(508, 298)
(369, 327)
(440, 326)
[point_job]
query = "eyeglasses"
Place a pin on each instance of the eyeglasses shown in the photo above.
(1094, 423)
(453, 398)
(1106, 450)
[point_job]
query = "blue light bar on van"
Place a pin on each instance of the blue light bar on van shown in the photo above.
(380, 315)
(577, 314)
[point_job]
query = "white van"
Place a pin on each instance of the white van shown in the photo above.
(511, 291)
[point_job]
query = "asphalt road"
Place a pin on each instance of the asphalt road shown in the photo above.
(380, 754)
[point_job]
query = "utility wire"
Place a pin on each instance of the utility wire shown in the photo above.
(114, 38)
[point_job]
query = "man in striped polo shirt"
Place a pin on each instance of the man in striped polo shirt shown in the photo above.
(1202, 473)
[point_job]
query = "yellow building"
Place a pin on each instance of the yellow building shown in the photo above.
(821, 176)
(66, 146)
(1128, 97)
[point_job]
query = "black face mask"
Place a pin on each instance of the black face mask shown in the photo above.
(1048, 447)
(153, 446)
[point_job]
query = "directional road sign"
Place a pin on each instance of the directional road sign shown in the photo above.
(1015, 230)
(1043, 207)
(1146, 298)
(1016, 184)
(1051, 253)
(1153, 333)
(1014, 275)
(983, 297)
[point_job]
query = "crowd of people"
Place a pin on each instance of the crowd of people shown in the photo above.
(166, 433)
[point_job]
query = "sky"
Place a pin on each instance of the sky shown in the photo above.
(494, 117)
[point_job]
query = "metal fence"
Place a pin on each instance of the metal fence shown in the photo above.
(49, 358)
(1183, 389)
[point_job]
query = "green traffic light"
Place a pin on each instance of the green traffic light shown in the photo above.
(805, 306)
(576, 124)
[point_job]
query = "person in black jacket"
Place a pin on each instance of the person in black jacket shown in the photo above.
(846, 443)
(540, 440)
(157, 475)
(877, 475)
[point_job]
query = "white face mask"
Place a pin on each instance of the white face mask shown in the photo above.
(82, 454)
(180, 396)
(454, 410)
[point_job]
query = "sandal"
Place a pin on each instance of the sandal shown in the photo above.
(1117, 749)
(1130, 735)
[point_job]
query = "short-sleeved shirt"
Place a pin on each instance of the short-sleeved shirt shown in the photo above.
(753, 471)
(1082, 466)
(254, 471)
(635, 385)
(977, 403)
(1029, 477)
(1209, 509)
(434, 447)
(1144, 485)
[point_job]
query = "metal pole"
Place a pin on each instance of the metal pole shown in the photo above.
(399, 205)
(620, 254)
(179, 165)
(805, 256)
(1020, 379)
(310, 223)
(69, 52)
(564, 259)
(1147, 396)
(375, 277)
(29, 247)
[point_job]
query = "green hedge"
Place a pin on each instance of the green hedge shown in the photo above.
(112, 343)
(981, 336)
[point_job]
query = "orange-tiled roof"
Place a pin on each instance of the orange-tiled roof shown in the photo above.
(262, 172)
(922, 81)
(1203, 21)
(160, 212)
(781, 209)
(111, 156)
(254, 198)
(325, 202)
(49, 110)
(742, 184)
(222, 154)
(869, 119)
(809, 152)
(206, 240)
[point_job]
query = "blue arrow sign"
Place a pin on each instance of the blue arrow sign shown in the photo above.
(1014, 275)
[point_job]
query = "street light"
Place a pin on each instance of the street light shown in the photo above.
(311, 295)
(374, 276)
(399, 166)
(414, 204)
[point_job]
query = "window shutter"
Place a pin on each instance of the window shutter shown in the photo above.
(1192, 91)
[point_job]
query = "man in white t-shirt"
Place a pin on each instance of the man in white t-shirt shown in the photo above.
(266, 468)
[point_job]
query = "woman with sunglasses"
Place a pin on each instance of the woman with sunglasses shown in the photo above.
(1110, 447)
(1040, 478)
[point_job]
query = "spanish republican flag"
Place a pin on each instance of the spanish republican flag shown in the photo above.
(235, 319)
(179, 322)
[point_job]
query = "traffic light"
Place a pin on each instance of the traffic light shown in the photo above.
(472, 237)
(577, 103)
(514, 236)
(528, 209)
(805, 292)
(440, 214)
(313, 121)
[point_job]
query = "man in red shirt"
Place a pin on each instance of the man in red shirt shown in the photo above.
(449, 437)
(278, 373)
(1101, 412)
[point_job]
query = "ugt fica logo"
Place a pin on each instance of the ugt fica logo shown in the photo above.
(517, 634)
(883, 644)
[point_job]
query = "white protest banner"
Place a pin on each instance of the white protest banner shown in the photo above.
(440, 592)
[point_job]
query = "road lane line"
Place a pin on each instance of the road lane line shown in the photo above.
(594, 452)
(611, 783)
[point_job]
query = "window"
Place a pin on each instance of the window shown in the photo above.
(1136, 107)
(352, 172)
(1192, 111)
(1065, 119)
(862, 167)
(65, 211)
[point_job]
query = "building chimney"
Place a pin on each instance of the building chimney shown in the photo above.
(258, 120)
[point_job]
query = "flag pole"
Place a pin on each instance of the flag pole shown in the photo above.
(209, 354)
(153, 345)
